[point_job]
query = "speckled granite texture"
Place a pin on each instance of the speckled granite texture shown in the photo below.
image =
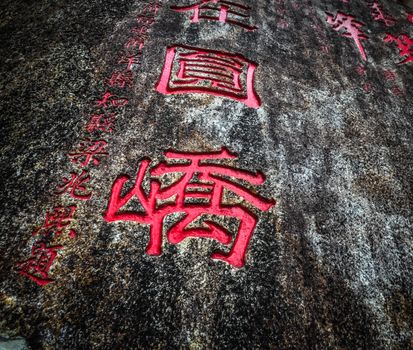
(328, 267)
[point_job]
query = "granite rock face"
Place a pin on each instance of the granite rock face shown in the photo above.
(329, 266)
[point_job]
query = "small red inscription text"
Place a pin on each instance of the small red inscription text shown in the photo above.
(101, 122)
(75, 186)
(37, 266)
(57, 221)
(89, 151)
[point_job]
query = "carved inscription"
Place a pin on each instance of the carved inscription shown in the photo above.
(198, 194)
(89, 153)
(350, 28)
(230, 12)
(195, 70)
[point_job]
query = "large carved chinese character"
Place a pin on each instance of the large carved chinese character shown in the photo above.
(350, 27)
(218, 10)
(193, 70)
(198, 189)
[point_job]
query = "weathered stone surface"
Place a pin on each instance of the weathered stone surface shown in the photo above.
(328, 267)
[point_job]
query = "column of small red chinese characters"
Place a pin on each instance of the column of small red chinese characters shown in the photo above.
(404, 45)
(308, 7)
(391, 78)
(403, 42)
(280, 11)
(89, 153)
(379, 14)
(361, 71)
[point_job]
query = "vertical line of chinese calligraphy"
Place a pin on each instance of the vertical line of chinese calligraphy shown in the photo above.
(90, 152)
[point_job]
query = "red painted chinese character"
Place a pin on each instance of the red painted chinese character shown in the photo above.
(389, 75)
(75, 186)
(121, 79)
(135, 41)
(325, 48)
(140, 31)
(111, 100)
(152, 8)
(89, 150)
(351, 29)
(368, 87)
(57, 221)
(101, 122)
(193, 70)
(379, 15)
(404, 44)
(199, 194)
(130, 60)
(37, 267)
(282, 24)
(361, 70)
(145, 21)
(397, 91)
(218, 10)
